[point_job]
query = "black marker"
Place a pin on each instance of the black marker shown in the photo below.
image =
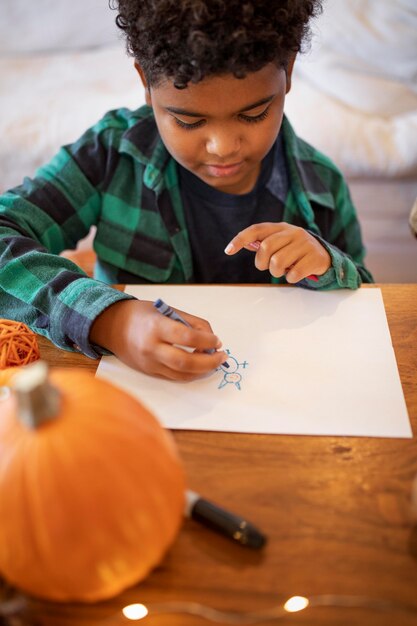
(168, 311)
(222, 521)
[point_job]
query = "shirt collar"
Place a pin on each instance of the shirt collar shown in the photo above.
(143, 142)
(304, 163)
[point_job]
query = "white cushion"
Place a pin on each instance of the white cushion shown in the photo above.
(359, 143)
(50, 100)
(364, 54)
(354, 96)
(53, 25)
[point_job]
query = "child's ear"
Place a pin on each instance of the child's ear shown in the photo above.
(289, 70)
(144, 83)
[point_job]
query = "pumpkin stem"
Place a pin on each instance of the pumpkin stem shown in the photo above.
(37, 400)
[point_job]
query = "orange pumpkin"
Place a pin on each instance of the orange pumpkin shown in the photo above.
(92, 491)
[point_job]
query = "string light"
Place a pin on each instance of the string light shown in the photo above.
(252, 618)
(296, 603)
(135, 611)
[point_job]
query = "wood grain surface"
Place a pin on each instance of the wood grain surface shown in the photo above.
(336, 511)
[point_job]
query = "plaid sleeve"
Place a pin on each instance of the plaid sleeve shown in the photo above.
(344, 243)
(320, 199)
(38, 220)
(343, 240)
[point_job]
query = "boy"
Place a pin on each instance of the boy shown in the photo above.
(208, 183)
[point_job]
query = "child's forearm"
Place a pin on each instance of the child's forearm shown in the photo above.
(50, 293)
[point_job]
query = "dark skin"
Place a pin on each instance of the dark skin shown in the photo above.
(220, 129)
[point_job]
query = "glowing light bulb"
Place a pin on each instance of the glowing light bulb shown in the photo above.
(296, 603)
(135, 611)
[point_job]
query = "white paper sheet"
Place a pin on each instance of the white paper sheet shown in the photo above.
(306, 362)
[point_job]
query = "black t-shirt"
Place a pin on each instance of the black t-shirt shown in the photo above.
(214, 217)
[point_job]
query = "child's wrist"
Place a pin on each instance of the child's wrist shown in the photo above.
(105, 327)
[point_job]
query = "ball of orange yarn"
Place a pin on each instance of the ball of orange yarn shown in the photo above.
(18, 344)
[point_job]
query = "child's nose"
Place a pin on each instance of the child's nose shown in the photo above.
(223, 144)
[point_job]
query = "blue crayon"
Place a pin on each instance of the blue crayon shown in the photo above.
(168, 311)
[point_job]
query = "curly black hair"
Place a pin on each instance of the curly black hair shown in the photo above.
(187, 40)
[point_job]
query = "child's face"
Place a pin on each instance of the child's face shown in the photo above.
(221, 128)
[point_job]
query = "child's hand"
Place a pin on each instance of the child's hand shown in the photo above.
(283, 249)
(144, 339)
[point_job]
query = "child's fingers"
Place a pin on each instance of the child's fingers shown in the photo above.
(306, 267)
(172, 332)
(277, 255)
(279, 246)
(254, 233)
(300, 270)
(196, 322)
(190, 364)
(281, 261)
(162, 371)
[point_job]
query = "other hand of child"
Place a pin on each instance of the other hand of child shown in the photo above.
(282, 249)
(147, 341)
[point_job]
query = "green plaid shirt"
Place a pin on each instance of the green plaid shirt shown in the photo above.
(120, 177)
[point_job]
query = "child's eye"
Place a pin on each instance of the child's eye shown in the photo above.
(188, 126)
(245, 118)
(255, 118)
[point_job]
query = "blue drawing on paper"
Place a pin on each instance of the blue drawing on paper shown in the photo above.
(231, 376)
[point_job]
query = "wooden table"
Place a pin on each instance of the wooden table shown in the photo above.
(336, 510)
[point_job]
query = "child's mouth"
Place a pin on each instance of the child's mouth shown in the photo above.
(222, 171)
